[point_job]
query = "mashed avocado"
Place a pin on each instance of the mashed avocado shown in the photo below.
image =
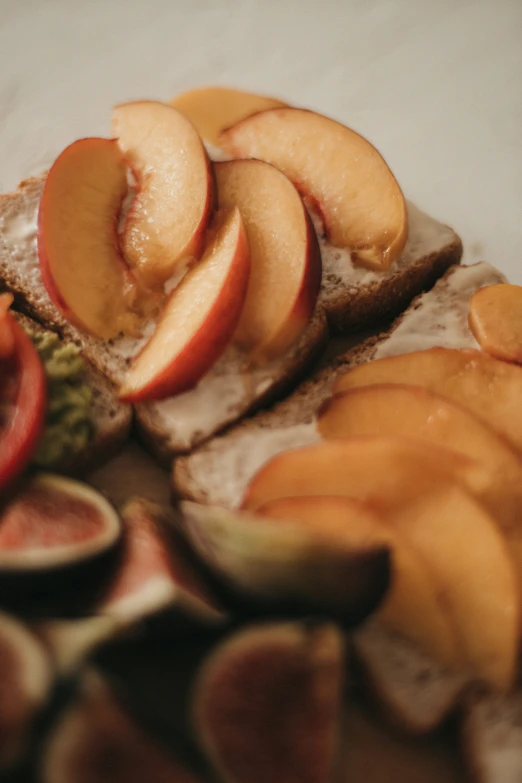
(69, 424)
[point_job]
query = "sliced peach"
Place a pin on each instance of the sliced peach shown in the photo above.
(171, 211)
(286, 262)
(198, 320)
(489, 388)
(413, 485)
(495, 318)
(413, 605)
(470, 561)
(80, 260)
(210, 109)
(395, 410)
(402, 465)
(340, 172)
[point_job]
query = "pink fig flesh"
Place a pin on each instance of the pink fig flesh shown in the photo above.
(154, 571)
(53, 521)
(267, 701)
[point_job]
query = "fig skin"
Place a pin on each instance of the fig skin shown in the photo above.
(50, 572)
(25, 683)
(285, 570)
(267, 702)
(95, 739)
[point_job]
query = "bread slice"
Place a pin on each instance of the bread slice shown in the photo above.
(112, 420)
(350, 298)
(412, 690)
(492, 737)
(220, 471)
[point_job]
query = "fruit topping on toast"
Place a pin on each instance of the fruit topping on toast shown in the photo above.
(138, 212)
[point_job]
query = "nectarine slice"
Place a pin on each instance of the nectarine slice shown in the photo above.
(396, 410)
(470, 561)
(495, 318)
(412, 605)
(267, 704)
(340, 172)
(403, 466)
(489, 388)
(198, 321)
(458, 541)
(286, 262)
(80, 260)
(211, 109)
(288, 568)
(175, 199)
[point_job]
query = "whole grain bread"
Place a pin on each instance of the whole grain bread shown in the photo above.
(111, 419)
(350, 298)
(414, 693)
(492, 737)
(219, 471)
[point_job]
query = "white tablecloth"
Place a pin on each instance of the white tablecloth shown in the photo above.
(436, 85)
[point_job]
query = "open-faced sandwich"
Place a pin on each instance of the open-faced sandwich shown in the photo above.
(335, 592)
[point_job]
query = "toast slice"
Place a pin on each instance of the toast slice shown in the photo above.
(350, 298)
(492, 737)
(219, 472)
(112, 419)
(412, 690)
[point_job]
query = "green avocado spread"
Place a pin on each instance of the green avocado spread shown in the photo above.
(69, 424)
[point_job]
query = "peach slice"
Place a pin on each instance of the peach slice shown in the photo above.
(78, 251)
(198, 321)
(286, 262)
(340, 172)
(413, 486)
(413, 412)
(211, 109)
(495, 318)
(487, 387)
(412, 606)
(403, 466)
(166, 224)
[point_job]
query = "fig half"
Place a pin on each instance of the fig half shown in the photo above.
(25, 681)
(57, 536)
(154, 579)
(267, 704)
(96, 741)
(287, 568)
(157, 571)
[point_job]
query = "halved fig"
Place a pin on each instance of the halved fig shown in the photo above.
(157, 570)
(267, 704)
(286, 567)
(155, 578)
(55, 535)
(25, 680)
(96, 741)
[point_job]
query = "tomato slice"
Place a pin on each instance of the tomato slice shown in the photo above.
(23, 400)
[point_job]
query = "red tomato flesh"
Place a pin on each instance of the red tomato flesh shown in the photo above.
(22, 401)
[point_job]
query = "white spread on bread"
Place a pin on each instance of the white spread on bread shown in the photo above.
(252, 449)
(437, 318)
(216, 399)
(441, 316)
(425, 236)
